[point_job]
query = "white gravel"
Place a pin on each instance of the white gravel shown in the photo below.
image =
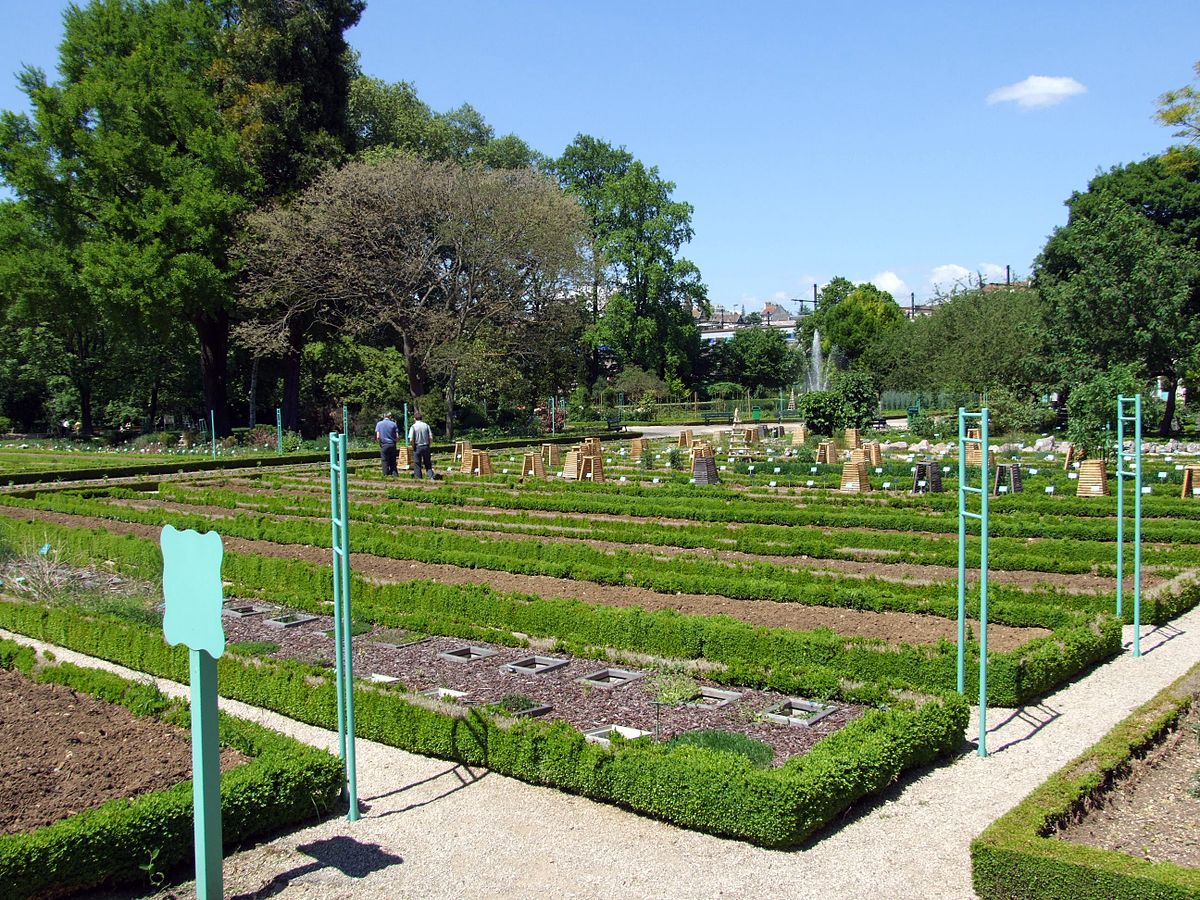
(433, 829)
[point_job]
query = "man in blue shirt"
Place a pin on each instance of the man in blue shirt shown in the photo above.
(421, 438)
(386, 432)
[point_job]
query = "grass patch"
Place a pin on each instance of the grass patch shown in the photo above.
(759, 753)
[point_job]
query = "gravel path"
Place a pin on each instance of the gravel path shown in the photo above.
(433, 829)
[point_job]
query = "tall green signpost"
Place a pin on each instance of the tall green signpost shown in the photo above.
(212, 430)
(192, 591)
(982, 517)
(343, 652)
(1129, 409)
(279, 430)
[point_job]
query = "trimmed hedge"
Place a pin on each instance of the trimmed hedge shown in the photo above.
(284, 783)
(1018, 856)
(693, 787)
(780, 658)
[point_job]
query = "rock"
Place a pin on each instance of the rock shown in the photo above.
(920, 447)
(1044, 445)
(896, 445)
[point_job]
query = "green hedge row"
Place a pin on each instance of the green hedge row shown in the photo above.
(819, 661)
(284, 783)
(1018, 855)
(693, 787)
(1042, 607)
(1049, 555)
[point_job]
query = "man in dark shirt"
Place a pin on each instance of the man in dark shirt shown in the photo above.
(386, 432)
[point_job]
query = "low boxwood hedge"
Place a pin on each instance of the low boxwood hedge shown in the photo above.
(284, 783)
(1018, 855)
(693, 787)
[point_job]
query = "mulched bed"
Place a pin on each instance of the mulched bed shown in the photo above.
(1150, 813)
(62, 752)
(419, 668)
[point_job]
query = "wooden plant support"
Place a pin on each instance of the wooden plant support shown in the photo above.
(800, 434)
(704, 469)
(852, 439)
(1093, 479)
(860, 454)
(685, 439)
(1008, 475)
(551, 455)
(462, 450)
(592, 469)
(404, 458)
(874, 453)
(702, 450)
(592, 447)
(975, 456)
(1072, 456)
(855, 477)
(533, 466)
(826, 453)
(927, 479)
(571, 465)
(638, 447)
(1191, 481)
(480, 463)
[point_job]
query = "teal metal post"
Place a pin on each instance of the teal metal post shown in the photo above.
(550, 404)
(212, 430)
(345, 419)
(1135, 416)
(343, 649)
(982, 516)
(206, 776)
(278, 430)
(406, 421)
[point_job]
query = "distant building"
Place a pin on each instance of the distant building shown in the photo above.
(723, 323)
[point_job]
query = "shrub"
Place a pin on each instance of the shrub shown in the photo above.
(824, 411)
(759, 753)
(261, 437)
(860, 400)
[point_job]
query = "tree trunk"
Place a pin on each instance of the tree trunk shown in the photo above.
(1164, 429)
(253, 404)
(291, 389)
(85, 406)
(152, 410)
(450, 408)
(213, 331)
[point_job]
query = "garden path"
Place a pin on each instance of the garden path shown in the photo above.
(433, 829)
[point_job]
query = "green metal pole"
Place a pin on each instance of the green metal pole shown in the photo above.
(212, 430)
(1137, 526)
(962, 548)
(983, 582)
(278, 430)
(348, 648)
(345, 419)
(406, 421)
(550, 405)
(1120, 503)
(336, 523)
(206, 781)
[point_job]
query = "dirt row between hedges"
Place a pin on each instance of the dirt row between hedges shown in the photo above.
(893, 627)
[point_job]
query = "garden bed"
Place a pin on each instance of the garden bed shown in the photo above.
(62, 752)
(421, 667)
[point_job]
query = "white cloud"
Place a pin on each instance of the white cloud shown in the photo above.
(947, 276)
(890, 282)
(992, 273)
(1037, 91)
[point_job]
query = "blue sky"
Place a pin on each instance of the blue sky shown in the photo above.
(871, 140)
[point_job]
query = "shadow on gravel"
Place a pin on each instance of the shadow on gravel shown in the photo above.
(1157, 637)
(463, 778)
(1035, 717)
(363, 801)
(352, 858)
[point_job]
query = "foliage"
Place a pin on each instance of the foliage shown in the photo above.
(1092, 408)
(860, 401)
(758, 358)
(640, 386)
(1180, 109)
(824, 411)
(852, 324)
(673, 688)
(758, 753)
(1018, 856)
(1007, 412)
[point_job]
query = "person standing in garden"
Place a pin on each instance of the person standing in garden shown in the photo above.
(420, 437)
(386, 433)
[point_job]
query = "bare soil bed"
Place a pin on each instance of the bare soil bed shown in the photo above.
(891, 627)
(1150, 813)
(62, 752)
(420, 668)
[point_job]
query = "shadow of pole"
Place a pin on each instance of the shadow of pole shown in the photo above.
(1164, 633)
(1036, 717)
(350, 857)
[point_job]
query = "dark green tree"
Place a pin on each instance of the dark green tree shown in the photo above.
(759, 358)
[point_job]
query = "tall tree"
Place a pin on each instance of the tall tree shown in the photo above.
(1121, 289)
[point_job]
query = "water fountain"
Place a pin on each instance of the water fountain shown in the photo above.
(816, 365)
